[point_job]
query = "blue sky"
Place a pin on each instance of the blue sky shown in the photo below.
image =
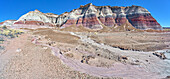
(13, 9)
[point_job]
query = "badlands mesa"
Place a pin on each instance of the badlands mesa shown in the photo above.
(90, 42)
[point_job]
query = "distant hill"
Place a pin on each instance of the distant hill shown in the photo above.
(166, 27)
(93, 17)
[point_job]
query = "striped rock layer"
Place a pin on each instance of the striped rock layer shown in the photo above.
(94, 17)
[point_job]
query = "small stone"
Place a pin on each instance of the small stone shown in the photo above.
(61, 52)
(18, 50)
(82, 61)
(136, 60)
(45, 47)
(160, 55)
(49, 44)
(168, 77)
(76, 48)
(96, 49)
(124, 57)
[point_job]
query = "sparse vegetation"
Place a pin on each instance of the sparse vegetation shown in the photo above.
(2, 47)
(167, 30)
(10, 33)
(1, 40)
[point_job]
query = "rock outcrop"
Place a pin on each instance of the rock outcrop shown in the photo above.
(94, 17)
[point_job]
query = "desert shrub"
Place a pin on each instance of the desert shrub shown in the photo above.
(4, 27)
(2, 47)
(12, 33)
(1, 39)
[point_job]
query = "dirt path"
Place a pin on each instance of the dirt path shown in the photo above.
(34, 62)
(10, 50)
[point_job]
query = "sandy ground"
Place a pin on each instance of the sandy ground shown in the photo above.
(49, 54)
(10, 48)
(141, 41)
(121, 70)
(34, 62)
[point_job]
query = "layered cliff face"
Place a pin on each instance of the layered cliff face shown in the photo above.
(94, 17)
(37, 18)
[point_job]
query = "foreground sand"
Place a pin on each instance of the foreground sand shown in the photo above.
(33, 62)
(25, 60)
